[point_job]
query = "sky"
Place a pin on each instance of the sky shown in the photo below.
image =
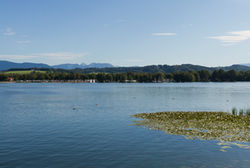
(126, 32)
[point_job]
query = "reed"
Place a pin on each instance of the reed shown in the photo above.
(234, 111)
(248, 112)
(240, 112)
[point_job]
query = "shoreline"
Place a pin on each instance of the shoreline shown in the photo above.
(47, 81)
(62, 81)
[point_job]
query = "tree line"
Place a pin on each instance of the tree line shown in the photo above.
(190, 76)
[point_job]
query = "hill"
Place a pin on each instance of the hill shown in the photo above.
(68, 66)
(246, 64)
(163, 68)
(83, 66)
(6, 65)
(108, 68)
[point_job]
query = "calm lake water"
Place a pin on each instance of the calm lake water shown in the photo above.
(89, 125)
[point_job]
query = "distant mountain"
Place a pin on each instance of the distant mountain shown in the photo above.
(68, 66)
(163, 68)
(236, 67)
(108, 68)
(98, 65)
(83, 66)
(246, 65)
(5, 65)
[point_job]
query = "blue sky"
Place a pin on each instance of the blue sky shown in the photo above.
(126, 33)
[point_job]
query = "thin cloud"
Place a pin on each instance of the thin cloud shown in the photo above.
(60, 56)
(9, 32)
(233, 37)
(23, 42)
(163, 34)
(15, 57)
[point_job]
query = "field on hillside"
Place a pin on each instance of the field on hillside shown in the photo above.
(23, 72)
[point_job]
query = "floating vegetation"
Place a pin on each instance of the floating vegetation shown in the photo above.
(228, 145)
(221, 126)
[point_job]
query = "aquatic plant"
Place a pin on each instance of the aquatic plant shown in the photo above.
(242, 112)
(248, 112)
(234, 111)
(203, 125)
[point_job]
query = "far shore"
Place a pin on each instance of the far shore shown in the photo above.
(81, 81)
(48, 81)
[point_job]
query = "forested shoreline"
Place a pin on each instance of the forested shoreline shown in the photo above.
(191, 76)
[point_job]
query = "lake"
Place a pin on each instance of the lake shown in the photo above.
(90, 125)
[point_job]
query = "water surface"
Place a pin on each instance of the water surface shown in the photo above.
(89, 125)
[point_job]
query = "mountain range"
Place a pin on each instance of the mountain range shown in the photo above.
(109, 68)
(245, 64)
(163, 68)
(5, 65)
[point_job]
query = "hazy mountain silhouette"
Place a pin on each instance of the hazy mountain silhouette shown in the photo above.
(109, 68)
(5, 65)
